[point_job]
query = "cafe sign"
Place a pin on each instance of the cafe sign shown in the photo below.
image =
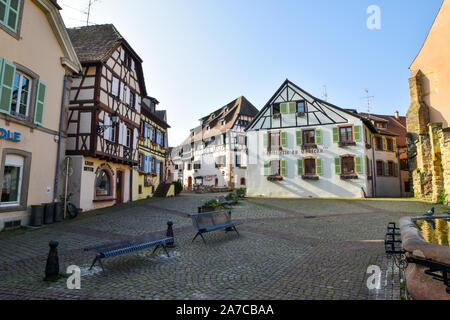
(9, 135)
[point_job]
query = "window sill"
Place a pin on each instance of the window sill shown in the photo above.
(104, 199)
(349, 176)
(274, 178)
(310, 177)
(12, 208)
(347, 144)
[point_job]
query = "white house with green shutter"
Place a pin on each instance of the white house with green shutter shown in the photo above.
(302, 146)
(35, 56)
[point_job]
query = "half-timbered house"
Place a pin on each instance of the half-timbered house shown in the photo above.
(302, 146)
(104, 119)
(153, 146)
(215, 153)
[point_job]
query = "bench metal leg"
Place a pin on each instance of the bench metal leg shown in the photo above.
(93, 263)
(201, 235)
(156, 248)
(165, 249)
(103, 268)
(236, 231)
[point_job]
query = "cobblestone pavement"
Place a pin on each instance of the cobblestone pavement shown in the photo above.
(288, 249)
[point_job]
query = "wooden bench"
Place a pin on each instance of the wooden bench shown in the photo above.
(211, 221)
(118, 248)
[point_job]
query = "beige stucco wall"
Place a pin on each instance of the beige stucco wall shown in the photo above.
(433, 61)
(39, 51)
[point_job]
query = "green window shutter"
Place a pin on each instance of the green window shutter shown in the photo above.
(284, 139)
(40, 103)
(300, 170)
(283, 168)
(359, 165)
(384, 144)
(3, 11)
(299, 138)
(12, 14)
(292, 107)
(337, 165)
(283, 108)
(266, 140)
(336, 135)
(319, 166)
(1, 67)
(319, 137)
(266, 169)
(386, 169)
(357, 133)
(394, 144)
(6, 86)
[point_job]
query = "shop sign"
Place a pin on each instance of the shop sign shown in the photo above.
(10, 136)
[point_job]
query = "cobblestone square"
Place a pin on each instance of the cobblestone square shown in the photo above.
(288, 249)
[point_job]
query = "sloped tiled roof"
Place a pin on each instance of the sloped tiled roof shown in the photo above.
(395, 126)
(94, 43)
(230, 112)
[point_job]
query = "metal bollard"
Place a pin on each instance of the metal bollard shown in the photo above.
(170, 234)
(52, 267)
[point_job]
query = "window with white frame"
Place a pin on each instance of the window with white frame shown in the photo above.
(21, 95)
(12, 180)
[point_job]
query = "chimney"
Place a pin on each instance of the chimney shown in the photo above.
(397, 115)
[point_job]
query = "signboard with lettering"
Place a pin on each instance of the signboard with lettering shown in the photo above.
(9, 135)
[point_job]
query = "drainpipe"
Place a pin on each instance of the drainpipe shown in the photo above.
(374, 174)
(60, 131)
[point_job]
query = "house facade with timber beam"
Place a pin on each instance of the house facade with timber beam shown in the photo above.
(104, 118)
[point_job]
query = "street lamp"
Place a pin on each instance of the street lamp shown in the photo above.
(114, 119)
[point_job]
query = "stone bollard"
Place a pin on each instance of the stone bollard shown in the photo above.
(52, 267)
(170, 234)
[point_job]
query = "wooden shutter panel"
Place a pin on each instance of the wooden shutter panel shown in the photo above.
(266, 140)
(266, 168)
(283, 108)
(106, 122)
(395, 169)
(284, 168)
(135, 138)
(40, 103)
(1, 69)
(300, 169)
(384, 144)
(319, 137)
(299, 138)
(357, 133)
(386, 168)
(319, 166)
(284, 139)
(336, 135)
(394, 144)
(12, 15)
(6, 86)
(145, 163)
(359, 166)
(337, 165)
(292, 107)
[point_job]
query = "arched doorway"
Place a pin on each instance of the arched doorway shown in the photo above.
(189, 182)
(216, 182)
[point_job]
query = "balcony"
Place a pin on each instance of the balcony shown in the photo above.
(349, 176)
(347, 143)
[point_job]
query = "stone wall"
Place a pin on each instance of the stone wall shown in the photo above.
(428, 148)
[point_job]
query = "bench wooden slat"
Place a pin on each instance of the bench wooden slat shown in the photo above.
(211, 221)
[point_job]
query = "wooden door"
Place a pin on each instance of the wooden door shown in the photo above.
(119, 187)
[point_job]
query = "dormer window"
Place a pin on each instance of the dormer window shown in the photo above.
(301, 107)
(223, 122)
(208, 128)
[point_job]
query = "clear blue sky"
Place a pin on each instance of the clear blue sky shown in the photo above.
(201, 54)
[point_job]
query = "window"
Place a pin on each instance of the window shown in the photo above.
(9, 14)
(223, 122)
(309, 137)
(301, 107)
(12, 180)
(128, 143)
(21, 95)
(238, 160)
(103, 184)
(310, 167)
(243, 182)
(197, 166)
(390, 145)
(379, 143)
(404, 165)
(275, 168)
(346, 134)
(274, 141)
(390, 172)
(141, 162)
(115, 87)
(276, 109)
(380, 171)
(348, 165)
(221, 162)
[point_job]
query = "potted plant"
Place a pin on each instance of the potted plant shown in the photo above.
(232, 197)
(211, 205)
